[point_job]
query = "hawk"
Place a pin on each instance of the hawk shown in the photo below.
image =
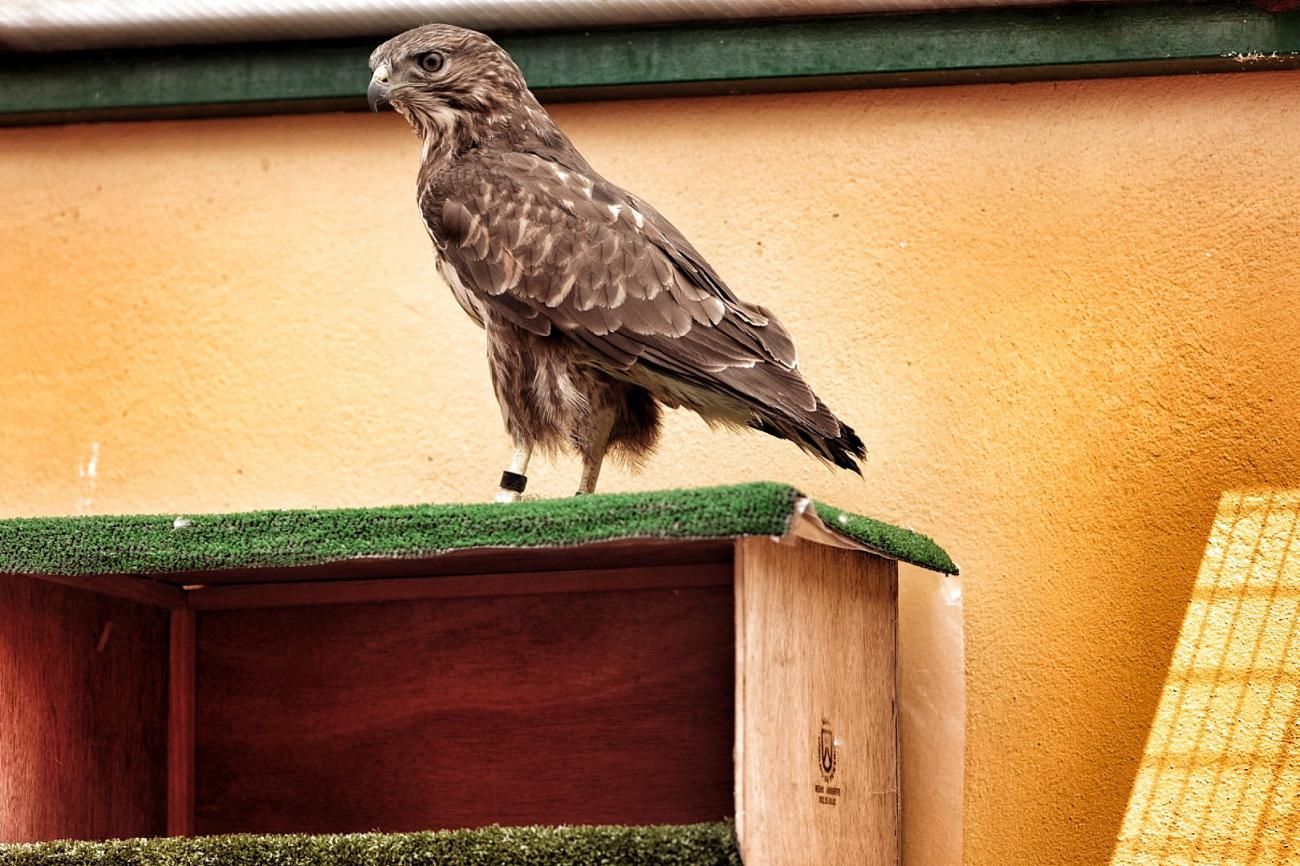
(597, 310)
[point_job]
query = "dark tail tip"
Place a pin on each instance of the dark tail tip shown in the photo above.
(852, 441)
(845, 447)
(840, 450)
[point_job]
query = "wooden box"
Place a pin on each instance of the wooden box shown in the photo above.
(640, 680)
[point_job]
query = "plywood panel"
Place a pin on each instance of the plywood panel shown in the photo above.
(585, 707)
(641, 552)
(366, 589)
(150, 591)
(816, 720)
(181, 725)
(82, 711)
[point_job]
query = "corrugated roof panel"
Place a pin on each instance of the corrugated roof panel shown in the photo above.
(59, 25)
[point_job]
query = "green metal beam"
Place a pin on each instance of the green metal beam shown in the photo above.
(889, 50)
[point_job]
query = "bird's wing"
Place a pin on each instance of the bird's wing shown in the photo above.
(552, 249)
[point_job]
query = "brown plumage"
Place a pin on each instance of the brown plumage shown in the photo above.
(597, 309)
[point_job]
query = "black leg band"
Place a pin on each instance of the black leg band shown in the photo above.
(513, 481)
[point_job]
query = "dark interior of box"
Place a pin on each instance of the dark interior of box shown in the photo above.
(83, 719)
(604, 697)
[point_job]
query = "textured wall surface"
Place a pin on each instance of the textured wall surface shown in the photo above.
(1219, 780)
(1062, 316)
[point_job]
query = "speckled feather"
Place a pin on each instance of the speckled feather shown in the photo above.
(591, 299)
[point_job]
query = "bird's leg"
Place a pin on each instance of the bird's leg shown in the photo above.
(594, 452)
(515, 479)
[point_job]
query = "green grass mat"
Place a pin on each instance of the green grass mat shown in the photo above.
(162, 544)
(687, 845)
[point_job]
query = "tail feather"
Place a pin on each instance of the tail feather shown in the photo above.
(839, 450)
(770, 397)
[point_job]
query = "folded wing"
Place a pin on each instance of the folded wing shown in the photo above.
(555, 249)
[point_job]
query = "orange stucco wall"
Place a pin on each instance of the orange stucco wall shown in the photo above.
(1063, 316)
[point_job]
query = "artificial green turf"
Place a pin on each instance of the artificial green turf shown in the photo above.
(141, 544)
(685, 845)
(904, 545)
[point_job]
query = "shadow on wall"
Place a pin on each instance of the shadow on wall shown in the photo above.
(1219, 780)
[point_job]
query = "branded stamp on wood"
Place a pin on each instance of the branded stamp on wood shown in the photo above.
(827, 763)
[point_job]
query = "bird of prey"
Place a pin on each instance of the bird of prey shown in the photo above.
(597, 310)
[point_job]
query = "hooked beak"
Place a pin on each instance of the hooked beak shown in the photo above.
(377, 92)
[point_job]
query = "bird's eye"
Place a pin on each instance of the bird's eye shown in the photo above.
(432, 61)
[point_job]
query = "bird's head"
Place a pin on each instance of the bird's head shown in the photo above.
(443, 78)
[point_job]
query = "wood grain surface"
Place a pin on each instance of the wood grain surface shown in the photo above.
(160, 592)
(181, 724)
(246, 595)
(83, 702)
(579, 707)
(642, 552)
(816, 649)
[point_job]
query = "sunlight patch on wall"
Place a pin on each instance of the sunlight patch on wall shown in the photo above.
(1219, 780)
